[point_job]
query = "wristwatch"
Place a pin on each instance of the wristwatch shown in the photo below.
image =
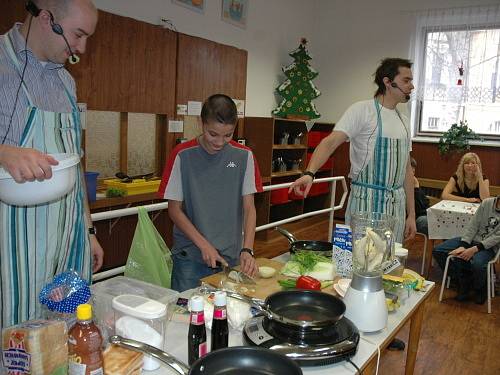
(247, 250)
(93, 231)
(309, 173)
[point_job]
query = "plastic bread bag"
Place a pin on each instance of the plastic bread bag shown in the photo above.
(149, 259)
(62, 295)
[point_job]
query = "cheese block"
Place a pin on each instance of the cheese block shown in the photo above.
(122, 361)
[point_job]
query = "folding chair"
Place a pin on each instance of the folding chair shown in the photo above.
(490, 278)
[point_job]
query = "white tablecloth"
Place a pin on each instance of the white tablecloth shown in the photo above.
(448, 219)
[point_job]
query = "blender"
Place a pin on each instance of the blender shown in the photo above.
(372, 238)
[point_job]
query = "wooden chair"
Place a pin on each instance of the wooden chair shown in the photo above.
(490, 278)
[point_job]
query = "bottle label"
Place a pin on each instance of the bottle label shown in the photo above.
(15, 357)
(197, 318)
(202, 349)
(220, 314)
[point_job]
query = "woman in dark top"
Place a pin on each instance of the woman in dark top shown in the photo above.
(468, 184)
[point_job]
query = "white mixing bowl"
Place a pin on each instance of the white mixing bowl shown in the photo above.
(36, 192)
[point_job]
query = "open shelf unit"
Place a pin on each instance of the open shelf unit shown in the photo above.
(269, 141)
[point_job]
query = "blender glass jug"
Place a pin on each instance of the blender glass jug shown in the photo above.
(373, 244)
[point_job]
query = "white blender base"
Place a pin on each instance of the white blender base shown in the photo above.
(367, 310)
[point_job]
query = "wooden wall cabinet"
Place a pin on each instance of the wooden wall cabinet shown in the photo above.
(281, 147)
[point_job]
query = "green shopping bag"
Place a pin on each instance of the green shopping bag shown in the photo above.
(149, 258)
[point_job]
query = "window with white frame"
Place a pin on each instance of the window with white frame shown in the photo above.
(457, 71)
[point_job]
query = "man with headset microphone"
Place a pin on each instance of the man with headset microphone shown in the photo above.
(379, 136)
(38, 116)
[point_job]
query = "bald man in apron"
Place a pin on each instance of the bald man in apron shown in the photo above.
(39, 116)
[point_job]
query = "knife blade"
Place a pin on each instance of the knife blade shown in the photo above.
(241, 277)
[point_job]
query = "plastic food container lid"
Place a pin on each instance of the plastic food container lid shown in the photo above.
(220, 298)
(139, 307)
(197, 303)
(401, 252)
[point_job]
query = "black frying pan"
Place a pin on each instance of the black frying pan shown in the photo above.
(322, 247)
(237, 360)
(307, 309)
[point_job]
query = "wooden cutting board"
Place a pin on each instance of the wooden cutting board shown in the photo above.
(264, 287)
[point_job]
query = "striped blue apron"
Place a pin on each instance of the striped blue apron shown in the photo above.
(379, 185)
(37, 242)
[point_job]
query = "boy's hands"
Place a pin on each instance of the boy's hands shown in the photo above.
(211, 256)
(247, 264)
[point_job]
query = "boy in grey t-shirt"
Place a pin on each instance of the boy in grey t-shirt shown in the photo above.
(209, 183)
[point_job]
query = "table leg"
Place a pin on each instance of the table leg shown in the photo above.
(428, 258)
(371, 367)
(413, 339)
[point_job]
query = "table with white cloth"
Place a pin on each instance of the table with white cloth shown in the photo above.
(447, 219)
(370, 344)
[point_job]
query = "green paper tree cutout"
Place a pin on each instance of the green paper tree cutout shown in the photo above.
(298, 91)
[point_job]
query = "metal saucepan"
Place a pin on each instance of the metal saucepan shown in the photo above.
(238, 360)
(321, 247)
(304, 309)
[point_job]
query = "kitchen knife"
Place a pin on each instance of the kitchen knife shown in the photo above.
(242, 278)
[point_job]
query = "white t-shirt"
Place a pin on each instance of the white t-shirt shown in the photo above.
(359, 123)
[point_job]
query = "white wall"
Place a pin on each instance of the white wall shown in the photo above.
(274, 28)
(347, 39)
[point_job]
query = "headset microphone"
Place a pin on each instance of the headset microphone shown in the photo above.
(395, 85)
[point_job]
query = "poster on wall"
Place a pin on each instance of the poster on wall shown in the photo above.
(235, 12)
(196, 5)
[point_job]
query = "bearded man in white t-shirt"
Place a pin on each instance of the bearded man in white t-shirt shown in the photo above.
(379, 136)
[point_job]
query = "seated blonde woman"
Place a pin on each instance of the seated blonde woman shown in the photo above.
(468, 184)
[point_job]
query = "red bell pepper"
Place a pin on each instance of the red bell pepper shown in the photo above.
(308, 282)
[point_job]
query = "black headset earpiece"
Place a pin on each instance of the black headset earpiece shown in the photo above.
(32, 8)
(393, 84)
(55, 26)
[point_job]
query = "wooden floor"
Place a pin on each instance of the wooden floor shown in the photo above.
(457, 338)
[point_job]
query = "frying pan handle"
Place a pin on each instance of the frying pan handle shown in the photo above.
(287, 234)
(255, 302)
(138, 346)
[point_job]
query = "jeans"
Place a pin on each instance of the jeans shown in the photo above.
(422, 226)
(186, 273)
(474, 269)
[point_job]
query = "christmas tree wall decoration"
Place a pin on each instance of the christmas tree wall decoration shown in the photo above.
(298, 91)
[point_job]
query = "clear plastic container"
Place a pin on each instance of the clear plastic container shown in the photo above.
(402, 255)
(103, 293)
(142, 319)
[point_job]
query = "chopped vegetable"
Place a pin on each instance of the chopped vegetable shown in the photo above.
(266, 272)
(308, 282)
(308, 259)
(311, 264)
(287, 283)
(326, 284)
(322, 271)
(291, 269)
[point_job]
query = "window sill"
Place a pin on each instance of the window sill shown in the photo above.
(485, 143)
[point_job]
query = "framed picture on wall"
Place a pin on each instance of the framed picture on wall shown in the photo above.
(235, 12)
(196, 5)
